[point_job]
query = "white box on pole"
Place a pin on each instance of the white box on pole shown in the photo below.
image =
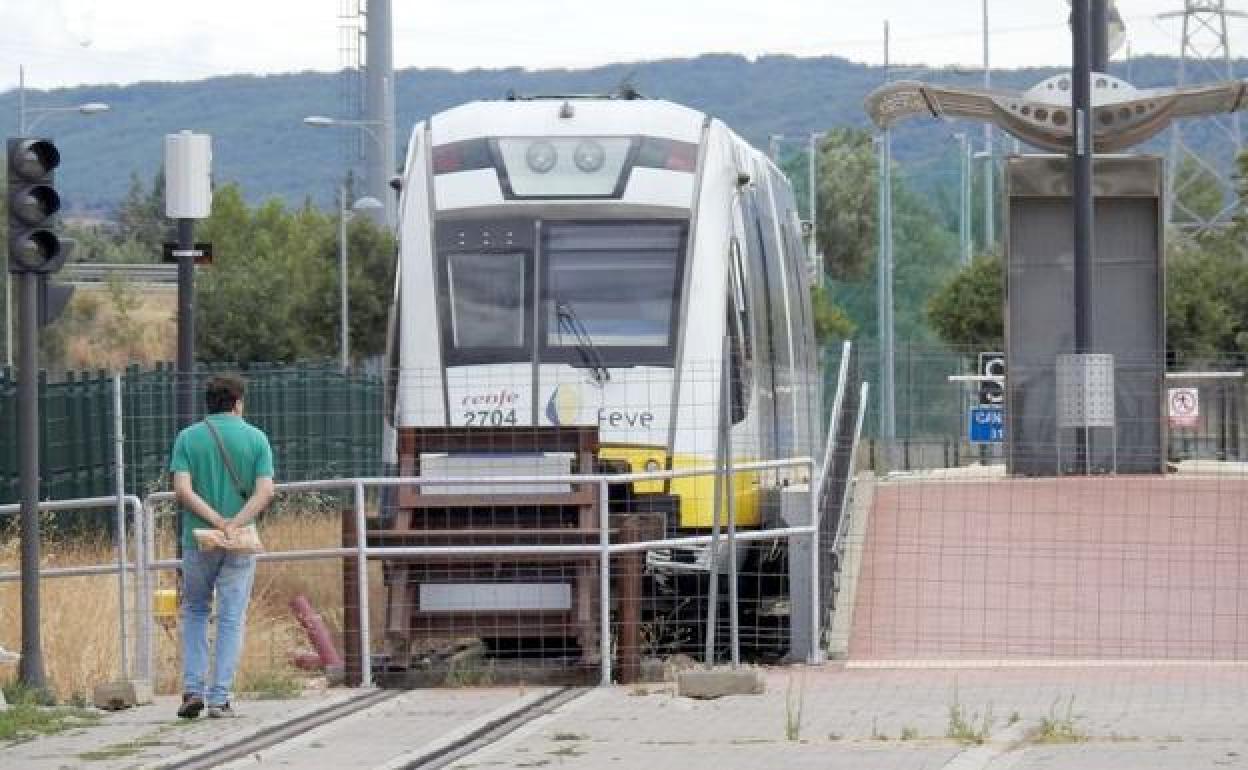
(188, 175)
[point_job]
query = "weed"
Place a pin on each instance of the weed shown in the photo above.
(639, 691)
(876, 735)
(273, 684)
(566, 751)
(480, 675)
(909, 733)
(119, 750)
(1014, 719)
(793, 706)
(26, 720)
(569, 737)
(834, 736)
(963, 728)
(1058, 727)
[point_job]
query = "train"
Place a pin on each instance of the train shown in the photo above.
(602, 263)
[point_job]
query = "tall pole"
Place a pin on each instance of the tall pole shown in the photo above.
(812, 182)
(888, 417)
(990, 158)
(186, 322)
(342, 278)
(1081, 163)
(1099, 52)
(30, 670)
(379, 101)
(964, 199)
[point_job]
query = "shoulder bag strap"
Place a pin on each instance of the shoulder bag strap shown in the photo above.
(229, 463)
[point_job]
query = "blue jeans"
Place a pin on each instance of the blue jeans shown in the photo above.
(231, 574)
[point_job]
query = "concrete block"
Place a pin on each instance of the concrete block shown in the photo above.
(114, 696)
(718, 682)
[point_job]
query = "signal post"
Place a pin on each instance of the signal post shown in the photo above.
(35, 251)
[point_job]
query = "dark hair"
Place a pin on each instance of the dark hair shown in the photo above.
(222, 392)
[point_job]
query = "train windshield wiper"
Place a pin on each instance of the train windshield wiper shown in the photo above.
(568, 319)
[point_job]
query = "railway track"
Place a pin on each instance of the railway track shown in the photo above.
(260, 747)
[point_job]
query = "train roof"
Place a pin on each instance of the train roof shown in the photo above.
(568, 116)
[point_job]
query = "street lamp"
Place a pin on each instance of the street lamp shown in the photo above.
(369, 127)
(363, 204)
(23, 126)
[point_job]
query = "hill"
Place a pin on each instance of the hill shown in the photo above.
(260, 142)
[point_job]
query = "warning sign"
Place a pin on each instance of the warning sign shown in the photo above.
(1184, 407)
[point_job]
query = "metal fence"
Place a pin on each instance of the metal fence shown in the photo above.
(447, 577)
(322, 424)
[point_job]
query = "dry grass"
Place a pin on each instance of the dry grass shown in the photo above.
(116, 325)
(79, 615)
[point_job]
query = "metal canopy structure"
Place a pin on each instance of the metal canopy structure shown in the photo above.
(1123, 115)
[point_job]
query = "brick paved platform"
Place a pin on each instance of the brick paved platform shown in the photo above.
(1106, 568)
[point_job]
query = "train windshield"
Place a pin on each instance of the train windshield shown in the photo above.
(617, 282)
(599, 293)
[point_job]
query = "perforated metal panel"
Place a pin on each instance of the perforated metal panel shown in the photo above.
(1085, 390)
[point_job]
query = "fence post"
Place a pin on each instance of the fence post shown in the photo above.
(604, 583)
(119, 449)
(816, 644)
(143, 594)
(361, 561)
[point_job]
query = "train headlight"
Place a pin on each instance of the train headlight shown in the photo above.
(541, 157)
(589, 156)
(652, 466)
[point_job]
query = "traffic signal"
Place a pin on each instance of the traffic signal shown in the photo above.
(34, 246)
(992, 393)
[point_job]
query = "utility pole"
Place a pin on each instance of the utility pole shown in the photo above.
(888, 416)
(812, 173)
(964, 199)
(379, 102)
(990, 157)
(344, 323)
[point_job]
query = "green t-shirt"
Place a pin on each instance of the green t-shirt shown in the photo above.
(195, 452)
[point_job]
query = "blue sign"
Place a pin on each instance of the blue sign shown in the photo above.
(986, 425)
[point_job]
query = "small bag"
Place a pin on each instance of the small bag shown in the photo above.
(247, 539)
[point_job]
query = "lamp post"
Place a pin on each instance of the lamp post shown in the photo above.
(24, 125)
(344, 215)
(370, 127)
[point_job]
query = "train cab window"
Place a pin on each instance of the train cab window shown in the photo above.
(486, 293)
(741, 364)
(613, 287)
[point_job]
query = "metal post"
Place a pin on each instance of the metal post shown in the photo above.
(1099, 35)
(1081, 166)
(379, 101)
(884, 280)
(725, 421)
(361, 563)
(813, 183)
(990, 224)
(604, 583)
(119, 459)
(734, 633)
(816, 644)
(30, 670)
(964, 205)
(186, 322)
(145, 643)
(342, 280)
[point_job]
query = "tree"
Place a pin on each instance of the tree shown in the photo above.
(831, 323)
(968, 309)
(847, 217)
(272, 294)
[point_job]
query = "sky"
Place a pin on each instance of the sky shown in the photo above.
(74, 42)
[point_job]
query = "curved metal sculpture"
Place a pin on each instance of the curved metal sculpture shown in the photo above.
(1123, 115)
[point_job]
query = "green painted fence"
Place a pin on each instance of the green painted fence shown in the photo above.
(322, 424)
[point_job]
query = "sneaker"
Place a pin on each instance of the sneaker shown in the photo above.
(221, 711)
(191, 706)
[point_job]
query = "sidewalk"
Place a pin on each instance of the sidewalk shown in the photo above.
(1172, 717)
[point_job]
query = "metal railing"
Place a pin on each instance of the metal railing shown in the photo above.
(362, 552)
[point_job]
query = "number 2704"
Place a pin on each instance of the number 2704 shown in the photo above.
(490, 417)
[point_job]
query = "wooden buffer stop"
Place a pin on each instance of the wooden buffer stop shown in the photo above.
(537, 615)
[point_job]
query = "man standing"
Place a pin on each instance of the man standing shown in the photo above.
(223, 477)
